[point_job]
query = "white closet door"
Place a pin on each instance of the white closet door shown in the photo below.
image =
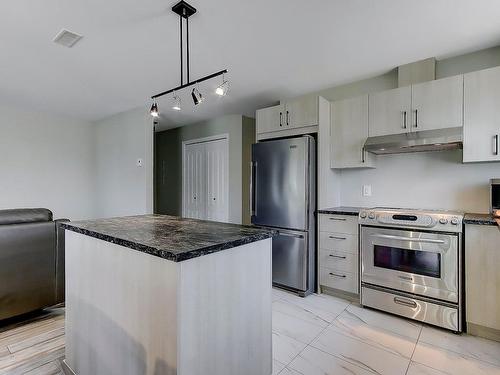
(194, 181)
(217, 153)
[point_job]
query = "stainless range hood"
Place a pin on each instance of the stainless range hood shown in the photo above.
(419, 141)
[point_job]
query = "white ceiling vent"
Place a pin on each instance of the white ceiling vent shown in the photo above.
(67, 38)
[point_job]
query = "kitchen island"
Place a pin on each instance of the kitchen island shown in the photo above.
(163, 295)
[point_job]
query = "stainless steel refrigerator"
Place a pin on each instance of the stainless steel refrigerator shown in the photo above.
(283, 196)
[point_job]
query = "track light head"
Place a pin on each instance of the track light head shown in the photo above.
(197, 97)
(176, 105)
(223, 88)
(154, 110)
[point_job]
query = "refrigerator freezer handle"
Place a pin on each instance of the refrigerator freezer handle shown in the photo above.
(253, 166)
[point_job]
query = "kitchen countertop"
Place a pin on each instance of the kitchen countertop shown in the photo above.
(479, 219)
(169, 237)
(341, 210)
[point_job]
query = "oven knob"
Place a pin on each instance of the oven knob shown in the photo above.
(362, 214)
(371, 215)
(454, 221)
(443, 221)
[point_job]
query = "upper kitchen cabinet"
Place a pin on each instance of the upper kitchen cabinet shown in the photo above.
(301, 112)
(437, 104)
(390, 112)
(482, 116)
(270, 119)
(349, 130)
(293, 114)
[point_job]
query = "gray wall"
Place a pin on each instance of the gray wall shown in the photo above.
(428, 180)
(123, 188)
(46, 161)
(168, 162)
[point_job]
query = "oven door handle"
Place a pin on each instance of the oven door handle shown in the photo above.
(400, 238)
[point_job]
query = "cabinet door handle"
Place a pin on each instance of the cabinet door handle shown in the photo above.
(337, 238)
(281, 115)
(287, 117)
(416, 118)
(404, 119)
(362, 155)
(337, 275)
(337, 219)
(495, 146)
(337, 256)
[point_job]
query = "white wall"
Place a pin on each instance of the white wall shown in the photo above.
(46, 161)
(434, 180)
(123, 188)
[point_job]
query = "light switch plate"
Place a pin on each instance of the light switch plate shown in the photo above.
(139, 162)
(367, 190)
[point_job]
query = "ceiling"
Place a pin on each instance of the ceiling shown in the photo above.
(273, 49)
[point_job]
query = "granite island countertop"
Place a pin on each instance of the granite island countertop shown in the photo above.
(169, 237)
(342, 210)
(479, 219)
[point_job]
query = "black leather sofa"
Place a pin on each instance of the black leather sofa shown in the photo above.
(31, 261)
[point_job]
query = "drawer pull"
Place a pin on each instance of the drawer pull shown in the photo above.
(337, 256)
(405, 302)
(337, 219)
(337, 238)
(334, 274)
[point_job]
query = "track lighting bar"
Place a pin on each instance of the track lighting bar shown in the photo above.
(190, 84)
(185, 10)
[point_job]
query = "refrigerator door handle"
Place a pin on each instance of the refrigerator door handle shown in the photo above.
(253, 188)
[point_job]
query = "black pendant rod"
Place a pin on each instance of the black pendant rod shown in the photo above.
(187, 46)
(182, 86)
(182, 54)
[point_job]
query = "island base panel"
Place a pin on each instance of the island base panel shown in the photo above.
(131, 313)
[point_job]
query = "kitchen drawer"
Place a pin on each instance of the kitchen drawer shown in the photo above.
(338, 279)
(338, 223)
(339, 242)
(339, 261)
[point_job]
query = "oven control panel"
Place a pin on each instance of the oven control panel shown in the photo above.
(445, 221)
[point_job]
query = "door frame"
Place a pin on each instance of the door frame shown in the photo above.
(188, 142)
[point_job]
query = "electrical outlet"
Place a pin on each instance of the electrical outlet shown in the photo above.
(367, 190)
(138, 163)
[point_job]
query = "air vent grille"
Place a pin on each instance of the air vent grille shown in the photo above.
(67, 38)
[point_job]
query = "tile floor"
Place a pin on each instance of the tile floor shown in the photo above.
(317, 335)
(323, 335)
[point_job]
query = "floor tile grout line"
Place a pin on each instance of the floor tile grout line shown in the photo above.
(369, 344)
(465, 356)
(315, 337)
(414, 348)
(319, 334)
(310, 312)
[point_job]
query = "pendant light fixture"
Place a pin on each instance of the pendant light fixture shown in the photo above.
(176, 102)
(185, 10)
(154, 110)
(223, 88)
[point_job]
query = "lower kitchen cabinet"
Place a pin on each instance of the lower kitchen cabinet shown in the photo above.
(482, 280)
(339, 254)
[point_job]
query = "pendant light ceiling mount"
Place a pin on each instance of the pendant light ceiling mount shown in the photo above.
(185, 10)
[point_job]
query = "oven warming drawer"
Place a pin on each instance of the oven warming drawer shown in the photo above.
(406, 305)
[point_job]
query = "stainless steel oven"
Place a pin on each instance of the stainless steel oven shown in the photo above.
(411, 262)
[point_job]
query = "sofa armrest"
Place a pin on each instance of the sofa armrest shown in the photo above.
(60, 259)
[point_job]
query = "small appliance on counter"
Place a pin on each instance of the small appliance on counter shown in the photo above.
(411, 264)
(494, 195)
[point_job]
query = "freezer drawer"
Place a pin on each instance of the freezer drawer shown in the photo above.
(290, 259)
